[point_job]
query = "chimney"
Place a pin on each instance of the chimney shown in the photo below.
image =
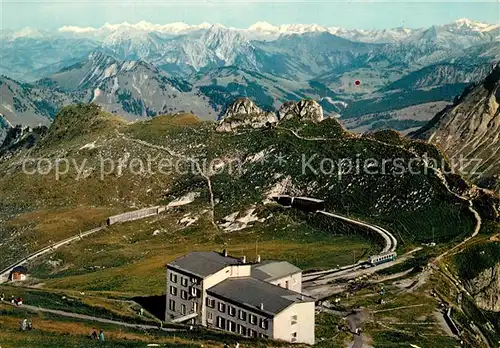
(261, 306)
(258, 258)
(224, 252)
(244, 259)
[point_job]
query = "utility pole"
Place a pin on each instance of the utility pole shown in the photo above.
(256, 248)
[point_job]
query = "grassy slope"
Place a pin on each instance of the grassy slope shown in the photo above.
(127, 260)
(56, 331)
(37, 209)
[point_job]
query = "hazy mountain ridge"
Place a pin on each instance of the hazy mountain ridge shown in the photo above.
(28, 104)
(191, 48)
(142, 69)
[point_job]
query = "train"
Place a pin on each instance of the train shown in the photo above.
(375, 260)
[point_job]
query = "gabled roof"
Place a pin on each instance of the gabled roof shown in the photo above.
(252, 292)
(272, 270)
(203, 264)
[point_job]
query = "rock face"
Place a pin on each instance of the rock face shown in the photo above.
(468, 132)
(244, 113)
(486, 289)
(304, 110)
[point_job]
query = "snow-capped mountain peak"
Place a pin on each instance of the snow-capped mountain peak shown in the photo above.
(263, 27)
(175, 28)
(467, 24)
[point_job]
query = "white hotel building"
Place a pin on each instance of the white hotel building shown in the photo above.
(252, 299)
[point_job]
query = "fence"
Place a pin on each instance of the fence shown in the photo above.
(135, 215)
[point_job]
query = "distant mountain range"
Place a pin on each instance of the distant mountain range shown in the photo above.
(141, 70)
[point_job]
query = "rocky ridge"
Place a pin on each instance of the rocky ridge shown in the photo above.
(244, 113)
(485, 289)
(468, 132)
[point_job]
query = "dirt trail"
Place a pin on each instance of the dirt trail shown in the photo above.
(183, 157)
(92, 318)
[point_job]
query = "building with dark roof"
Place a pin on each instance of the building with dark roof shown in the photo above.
(18, 274)
(226, 293)
(203, 264)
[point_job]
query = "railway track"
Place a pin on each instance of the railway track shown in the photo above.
(316, 206)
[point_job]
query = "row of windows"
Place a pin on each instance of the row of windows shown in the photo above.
(231, 326)
(172, 307)
(185, 294)
(242, 315)
(184, 280)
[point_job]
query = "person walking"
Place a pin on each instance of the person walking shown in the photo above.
(24, 324)
(101, 336)
(30, 325)
(93, 335)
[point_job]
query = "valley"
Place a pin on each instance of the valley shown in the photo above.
(322, 181)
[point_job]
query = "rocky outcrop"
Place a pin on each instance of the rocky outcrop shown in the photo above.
(308, 110)
(245, 113)
(485, 289)
(468, 132)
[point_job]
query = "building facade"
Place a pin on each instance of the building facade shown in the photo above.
(226, 293)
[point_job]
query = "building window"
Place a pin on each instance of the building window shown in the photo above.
(221, 323)
(231, 326)
(253, 319)
(263, 324)
(173, 278)
(193, 291)
(184, 294)
(183, 309)
(194, 280)
(294, 319)
(210, 302)
(194, 307)
(173, 291)
(210, 317)
(242, 330)
(251, 333)
(171, 305)
(242, 315)
(294, 337)
(222, 307)
(231, 310)
(184, 281)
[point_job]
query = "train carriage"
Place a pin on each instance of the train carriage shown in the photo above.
(382, 258)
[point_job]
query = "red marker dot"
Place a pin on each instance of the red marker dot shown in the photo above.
(357, 82)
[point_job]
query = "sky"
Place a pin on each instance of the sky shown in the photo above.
(363, 14)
